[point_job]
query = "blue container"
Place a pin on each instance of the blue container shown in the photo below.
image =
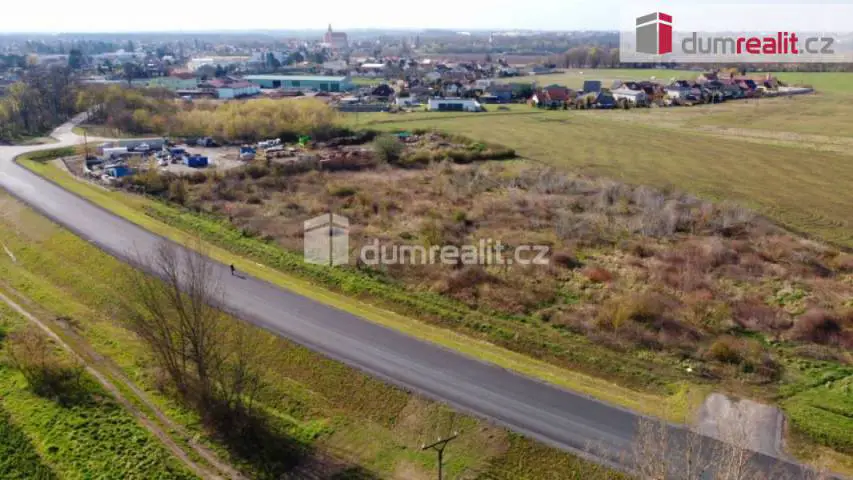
(196, 162)
(119, 171)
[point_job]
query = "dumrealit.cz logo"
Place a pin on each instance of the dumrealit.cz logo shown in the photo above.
(326, 242)
(654, 33)
(726, 34)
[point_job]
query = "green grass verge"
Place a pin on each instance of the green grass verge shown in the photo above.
(19, 459)
(673, 401)
(93, 437)
(313, 402)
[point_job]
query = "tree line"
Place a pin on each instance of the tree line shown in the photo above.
(158, 112)
(33, 106)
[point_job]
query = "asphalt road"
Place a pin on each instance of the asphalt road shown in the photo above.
(547, 413)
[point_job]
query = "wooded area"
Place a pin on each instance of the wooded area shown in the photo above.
(38, 103)
(156, 111)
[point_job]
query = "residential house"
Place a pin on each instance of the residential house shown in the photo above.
(420, 92)
(373, 69)
(483, 83)
(335, 66)
(407, 101)
(454, 105)
(452, 89)
(502, 91)
(382, 91)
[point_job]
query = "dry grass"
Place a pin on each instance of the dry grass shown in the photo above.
(800, 187)
(657, 270)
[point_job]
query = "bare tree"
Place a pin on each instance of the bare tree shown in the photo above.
(174, 312)
(239, 376)
(211, 359)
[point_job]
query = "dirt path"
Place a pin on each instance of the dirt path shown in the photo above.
(224, 470)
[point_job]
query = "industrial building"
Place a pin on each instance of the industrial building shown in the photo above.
(302, 82)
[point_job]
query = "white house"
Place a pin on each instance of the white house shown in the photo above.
(483, 83)
(335, 66)
(637, 97)
(406, 101)
(455, 105)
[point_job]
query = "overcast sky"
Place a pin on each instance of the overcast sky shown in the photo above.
(196, 15)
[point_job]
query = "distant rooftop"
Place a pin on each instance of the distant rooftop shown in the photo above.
(309, 78)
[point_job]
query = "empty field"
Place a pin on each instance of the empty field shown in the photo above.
(803, 189)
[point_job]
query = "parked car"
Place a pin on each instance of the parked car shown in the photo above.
(142, 147)
(206, 142)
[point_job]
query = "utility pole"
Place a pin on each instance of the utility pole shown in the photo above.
(439, 447)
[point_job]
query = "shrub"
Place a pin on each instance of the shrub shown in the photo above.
(468, 277)
(565, 259)
(178, 192)
(748, 354)
(461, 156)
(822, 327)
(47, 373)
(726, 350)
(151, 182)
(257, 170)
(196, 178)
(388, 148)
(844, 263)
(597, 274)
(343, 191)
(753, 314)
(420, 157)
(644, 308)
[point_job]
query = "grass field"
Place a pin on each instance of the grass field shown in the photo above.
(799, 390)
(786, 158)
(363, 427)
(93, 437)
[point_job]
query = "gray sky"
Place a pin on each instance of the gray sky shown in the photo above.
(195, 15)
